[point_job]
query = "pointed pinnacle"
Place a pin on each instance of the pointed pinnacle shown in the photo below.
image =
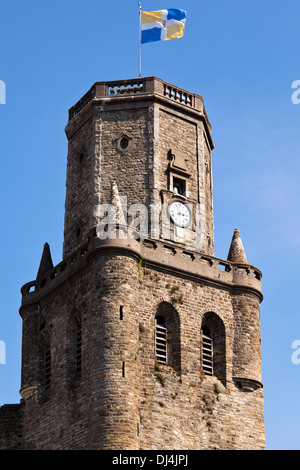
(46, 262)
(116, 202)
(236, 252)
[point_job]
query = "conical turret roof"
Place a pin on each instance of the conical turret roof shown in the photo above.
(46, 262)
(236, 252)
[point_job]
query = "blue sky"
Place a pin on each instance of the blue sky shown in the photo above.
(242, 57)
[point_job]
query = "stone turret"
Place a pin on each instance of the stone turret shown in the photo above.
(246, 347)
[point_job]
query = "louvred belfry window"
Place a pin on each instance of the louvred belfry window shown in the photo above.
(161, 340)
(207, 351)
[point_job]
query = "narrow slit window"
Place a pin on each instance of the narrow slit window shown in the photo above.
(47, 367)
(78, 346)
(161, 340)
(207, 351)
(121, 312)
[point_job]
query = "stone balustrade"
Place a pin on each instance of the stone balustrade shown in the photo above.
(143, 86)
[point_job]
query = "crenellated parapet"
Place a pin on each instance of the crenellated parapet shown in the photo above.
(157, 254)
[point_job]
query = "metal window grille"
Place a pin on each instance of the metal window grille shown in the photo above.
(78, 347)
(47, 367)
(207, 352)
(161, 340)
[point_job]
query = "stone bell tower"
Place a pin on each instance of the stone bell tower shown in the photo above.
(152, 139)
(141, 338)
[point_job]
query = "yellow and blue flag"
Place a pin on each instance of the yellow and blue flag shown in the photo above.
(162, 25)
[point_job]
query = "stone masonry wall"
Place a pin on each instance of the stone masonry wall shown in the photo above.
(122, 399)
(94, 409)
(187, 136)
(208, 188)
(11, 427)
(178, 134)
(79, 190)
(247, 341)
(128, 167)
(186, 409)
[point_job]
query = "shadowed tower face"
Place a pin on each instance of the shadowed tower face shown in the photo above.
(141, 338)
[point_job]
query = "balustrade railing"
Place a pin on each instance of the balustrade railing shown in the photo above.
(125, 87)
(146, 85)
(177, 94)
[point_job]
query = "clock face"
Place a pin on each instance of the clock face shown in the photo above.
(180, 213)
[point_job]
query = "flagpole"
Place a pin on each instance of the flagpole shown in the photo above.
(140, 40)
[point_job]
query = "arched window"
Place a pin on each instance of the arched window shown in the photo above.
(167, 335)
(74, 345)
(213, 350)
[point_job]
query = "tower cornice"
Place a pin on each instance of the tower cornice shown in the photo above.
(135, 91)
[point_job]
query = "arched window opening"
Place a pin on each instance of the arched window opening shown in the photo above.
(161, 351)
(74, 347)
(167, 336)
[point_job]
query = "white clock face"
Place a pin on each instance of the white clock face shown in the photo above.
(180, 213)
